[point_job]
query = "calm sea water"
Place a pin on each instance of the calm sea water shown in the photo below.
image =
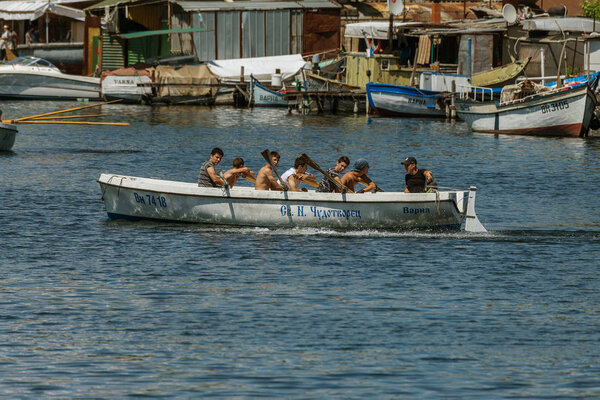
(92, 308)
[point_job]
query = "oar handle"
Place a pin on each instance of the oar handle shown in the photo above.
(267, 155)
(68, 110)
(362, 181)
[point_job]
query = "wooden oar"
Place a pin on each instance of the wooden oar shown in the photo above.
(267, 155)
(311, 182)
(72, 122)
(71, 116)
(64, 111)
(362, 181)
(314, 165)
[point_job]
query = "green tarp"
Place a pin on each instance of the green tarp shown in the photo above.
(134, 35)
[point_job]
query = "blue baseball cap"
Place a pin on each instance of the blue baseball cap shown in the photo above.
(360, 164)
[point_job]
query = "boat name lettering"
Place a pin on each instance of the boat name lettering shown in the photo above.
(318, 212)
(416, 101)
(151, 200)
(409, 210)
(322, 213)
(558, 105)
(268, 98)
(124, 82)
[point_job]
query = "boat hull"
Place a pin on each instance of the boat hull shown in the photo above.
(261, 96)
(141, 198)
(564, 113)
(47, 85)
(127, 88)
(403, 101)
(8, 133)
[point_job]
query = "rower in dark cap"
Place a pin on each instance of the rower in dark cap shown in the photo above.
(416, 179)
(359, 171)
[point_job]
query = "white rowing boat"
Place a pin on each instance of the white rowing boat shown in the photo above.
(8, 133)
(133, 198)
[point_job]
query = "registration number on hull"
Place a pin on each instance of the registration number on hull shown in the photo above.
(556, 106)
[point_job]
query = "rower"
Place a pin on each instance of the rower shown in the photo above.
(359, 172)
(326, 185)
(295, 175)
(416, 179)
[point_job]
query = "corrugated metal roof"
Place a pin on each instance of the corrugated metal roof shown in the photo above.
(30, 10)
(191, 5)
(569, 24)
(318, 4)
(106, 3)
(237, 5)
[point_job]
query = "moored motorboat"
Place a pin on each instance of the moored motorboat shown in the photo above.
(137, 198)
(562, 112)
(8, 133)
(35, 78)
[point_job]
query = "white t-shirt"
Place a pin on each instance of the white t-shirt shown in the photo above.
(287, 174)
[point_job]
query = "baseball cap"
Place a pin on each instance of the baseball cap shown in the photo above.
(409, 160)
(360, 164)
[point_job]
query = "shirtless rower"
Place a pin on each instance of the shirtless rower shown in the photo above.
(238, 170)
(265, 179)
(359, 171)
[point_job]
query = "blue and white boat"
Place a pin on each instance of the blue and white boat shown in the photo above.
(435, 90)
(428, 100)
(262, 96)
(406, 101)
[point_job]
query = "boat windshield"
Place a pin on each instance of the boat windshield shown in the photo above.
(31, 61)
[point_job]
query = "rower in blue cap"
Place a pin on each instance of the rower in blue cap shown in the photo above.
(359, 172)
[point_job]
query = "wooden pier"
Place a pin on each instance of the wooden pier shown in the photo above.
(327, 101)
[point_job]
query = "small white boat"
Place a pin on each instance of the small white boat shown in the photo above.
(8, 133)
(563, 112)
(130, 89)
(35, 78)
(133, 198)
(262, 96)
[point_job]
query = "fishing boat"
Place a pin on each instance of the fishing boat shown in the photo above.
(37, 79)
(433, 95)
(135, 198)
(407, 101)
(8, 133)
(262, 96)
(561, 112)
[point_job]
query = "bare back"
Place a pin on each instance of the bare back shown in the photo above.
(265, 180)
(350, 179)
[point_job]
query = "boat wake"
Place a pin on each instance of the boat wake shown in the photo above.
(303, 231)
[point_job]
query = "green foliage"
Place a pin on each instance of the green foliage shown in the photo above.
(591, 9)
